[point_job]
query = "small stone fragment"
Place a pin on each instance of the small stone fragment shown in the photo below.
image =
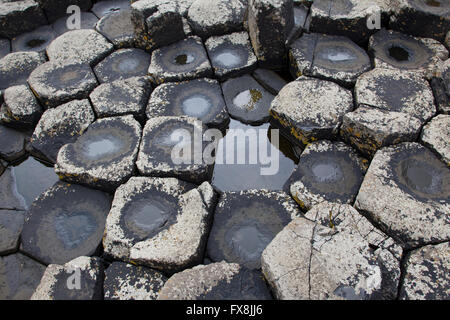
(11, 223)
(17, 66)
(17, 17)
(436, 136)
(118, 28)
(13, 144)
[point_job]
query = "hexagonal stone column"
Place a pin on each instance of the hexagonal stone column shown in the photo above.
(16, 67)
(436, 134)
(416, 179)
(103, 157)
(11, 223)
(13, 143)
(57, 8)
(65, 222)
(310, 109)
(216, 281)
(105, 7)
(78, 279)
(118, 28)
(327, 172)
(9, 197)
(17, 17)
(88, 21)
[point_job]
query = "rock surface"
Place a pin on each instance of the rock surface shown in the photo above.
(16, 67)
(11, 223)
(436, 136)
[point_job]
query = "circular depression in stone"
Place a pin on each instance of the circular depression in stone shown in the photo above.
(229, 57)
(247, 99)
(337, 54)
(183, 56)
(36, 40)
(196, 105)
(326, 171)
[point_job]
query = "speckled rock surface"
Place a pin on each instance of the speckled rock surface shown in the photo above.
(244, 224)
(84, 46)
(59, 126)
(22, 107)
(17, 17)
(231, 55)
(36, 40)
(436, 136)
(11, 223)
(327, 171)
(121, 97)
(200, 98)
(396, 90)
(12, 146)
(55, 83)
(60, 282)
(127, 282)
(307, 261)
(17, 66)
(118, 28)
(216, 281)
(54, 9)
(310, 109)
(19, 277)
(415, 178)
(103, 157)
(65, 222)
(180, 61)
(427, 274)
(440, 85)
(369, 129)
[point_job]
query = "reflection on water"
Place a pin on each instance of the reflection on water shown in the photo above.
(196, 106)
(227, 59)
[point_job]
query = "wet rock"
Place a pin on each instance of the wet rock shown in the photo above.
(247, 101)
(369, 129)
(103, 157)
(307, 261)
(334, 58)
(447, 40)
(17, 66)
(246, 222)
(327, 172)
(22, 107)
(216, 17)
(415, 178)
(440, 85)
(170, 148)
(423, 18)
(436, 135)
(300, 19)
(180, 61)
(59, 282)
(55, 83)
(310, 109)
(17, 17)
(199, 98)
(65, 222)
(11, 222)
(55, 9)
(427, 274)
(121, 97)
(102, 8)
(59, 126)
(216, 281)
(5, 47)
(36, 40)
(270, 80)
(182, 244)
(13, 143)
(19, 277)
(142, 208)
(84, 46)
(123, 64)
(349, 18)
(88, 20)
(394, 50)
(9, 197)
(127, 282)
(269, 25)
(396, 90)
(118, 28)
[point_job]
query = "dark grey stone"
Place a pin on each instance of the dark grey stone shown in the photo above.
(11, 222)
(36, 40)
(16, 67)
(5, 47)
(17, 17)
(9, 197)
(55, 9)
(102, 8)
(13, 143)
(270, 80)
(88, 21)
(118, 28)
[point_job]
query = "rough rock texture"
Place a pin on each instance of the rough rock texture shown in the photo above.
(78, 279)
(369, 129)
(55, 83)
(19, 277)
(270, 80)
(170, 148)
(231, 55)
(127, 282)
(17, 66)
(269, 25)
(12, 146)
(244, 224)
(88, 21)
(55, 9)
(180, 61)
(17, 17)
(9, 197)
(103, 157)
(416, 179)
(310, 109)
(334, 58)
(216, 281)
(307, 261)
(36, 40)
(59, 126)
(300, 22)
(118, 28)
(327, 172)
(396, 90)
(121, 97)
(427, 274)
(200, 98)
(84, 46)
(436, 136)
(440, 84)
(216, 17)
(11, 223)
(65, 222)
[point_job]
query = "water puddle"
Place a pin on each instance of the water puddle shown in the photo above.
(100, 147)
(196, 106)
(74, 228)
(247, 99)
(184, 59)
(228, 59)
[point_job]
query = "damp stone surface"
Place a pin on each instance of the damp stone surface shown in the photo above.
(36, 40)
(88, 20)
(103, 8)
(5, 47)
(118, 28)
(270, 80)
(17, 17)
(11, 223)
(13, 143)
